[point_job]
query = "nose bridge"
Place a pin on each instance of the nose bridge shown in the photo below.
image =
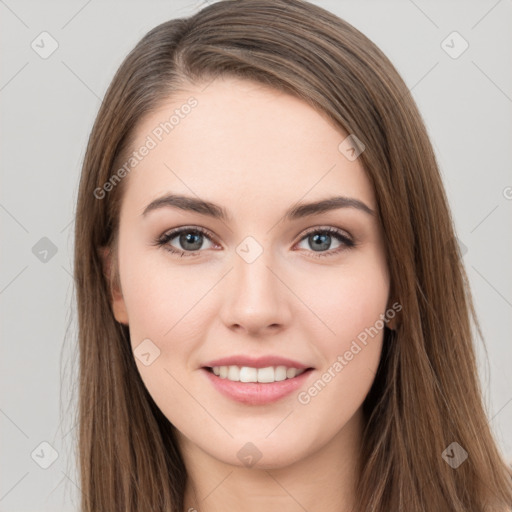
(252, 273)
(256, 296)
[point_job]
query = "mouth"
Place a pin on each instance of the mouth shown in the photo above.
(256, 386)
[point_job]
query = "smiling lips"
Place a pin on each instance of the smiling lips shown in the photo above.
(264, 369)
(256, 381)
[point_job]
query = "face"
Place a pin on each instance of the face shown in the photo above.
(269, 284)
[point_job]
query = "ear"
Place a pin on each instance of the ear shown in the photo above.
(394, 322)
(111, 274)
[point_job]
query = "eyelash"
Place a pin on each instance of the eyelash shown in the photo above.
(163, 241)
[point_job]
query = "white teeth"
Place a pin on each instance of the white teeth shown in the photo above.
(291, 372)
(280, 373)
(266, 374)
(233, 373)
(248, 374)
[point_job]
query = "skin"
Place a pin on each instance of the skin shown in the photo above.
(256, 152)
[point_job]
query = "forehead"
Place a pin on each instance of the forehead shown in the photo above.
(240, 142)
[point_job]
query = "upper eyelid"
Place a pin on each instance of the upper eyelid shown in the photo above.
(327, 228)
(176, 231)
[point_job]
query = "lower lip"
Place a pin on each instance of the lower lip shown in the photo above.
(256, 393)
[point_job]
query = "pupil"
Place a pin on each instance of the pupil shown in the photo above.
(190, 238)
(321, 241)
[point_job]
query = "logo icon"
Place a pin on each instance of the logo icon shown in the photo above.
(146, 352)
(454, 455)
(44, 45)
(249, 455)
(44, 250)
(44, 455)
(249, 249)
(351, 147)
(454, 45)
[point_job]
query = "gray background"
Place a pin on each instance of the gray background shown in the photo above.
(47, 110)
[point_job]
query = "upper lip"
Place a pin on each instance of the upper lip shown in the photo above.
(256, 362)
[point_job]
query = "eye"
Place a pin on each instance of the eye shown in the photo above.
(320, 239)
(190, 239)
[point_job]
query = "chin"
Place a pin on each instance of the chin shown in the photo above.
(259, 454)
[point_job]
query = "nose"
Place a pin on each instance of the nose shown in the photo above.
(256, 299)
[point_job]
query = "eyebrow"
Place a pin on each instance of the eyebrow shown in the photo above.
(218, 212)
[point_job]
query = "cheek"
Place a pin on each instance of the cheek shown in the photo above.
(164, 301)
(352, 305)
(350, 349)
(349, 301)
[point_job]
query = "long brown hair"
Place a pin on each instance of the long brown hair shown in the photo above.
(426, 394)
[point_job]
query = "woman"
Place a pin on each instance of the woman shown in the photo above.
(272, 309)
